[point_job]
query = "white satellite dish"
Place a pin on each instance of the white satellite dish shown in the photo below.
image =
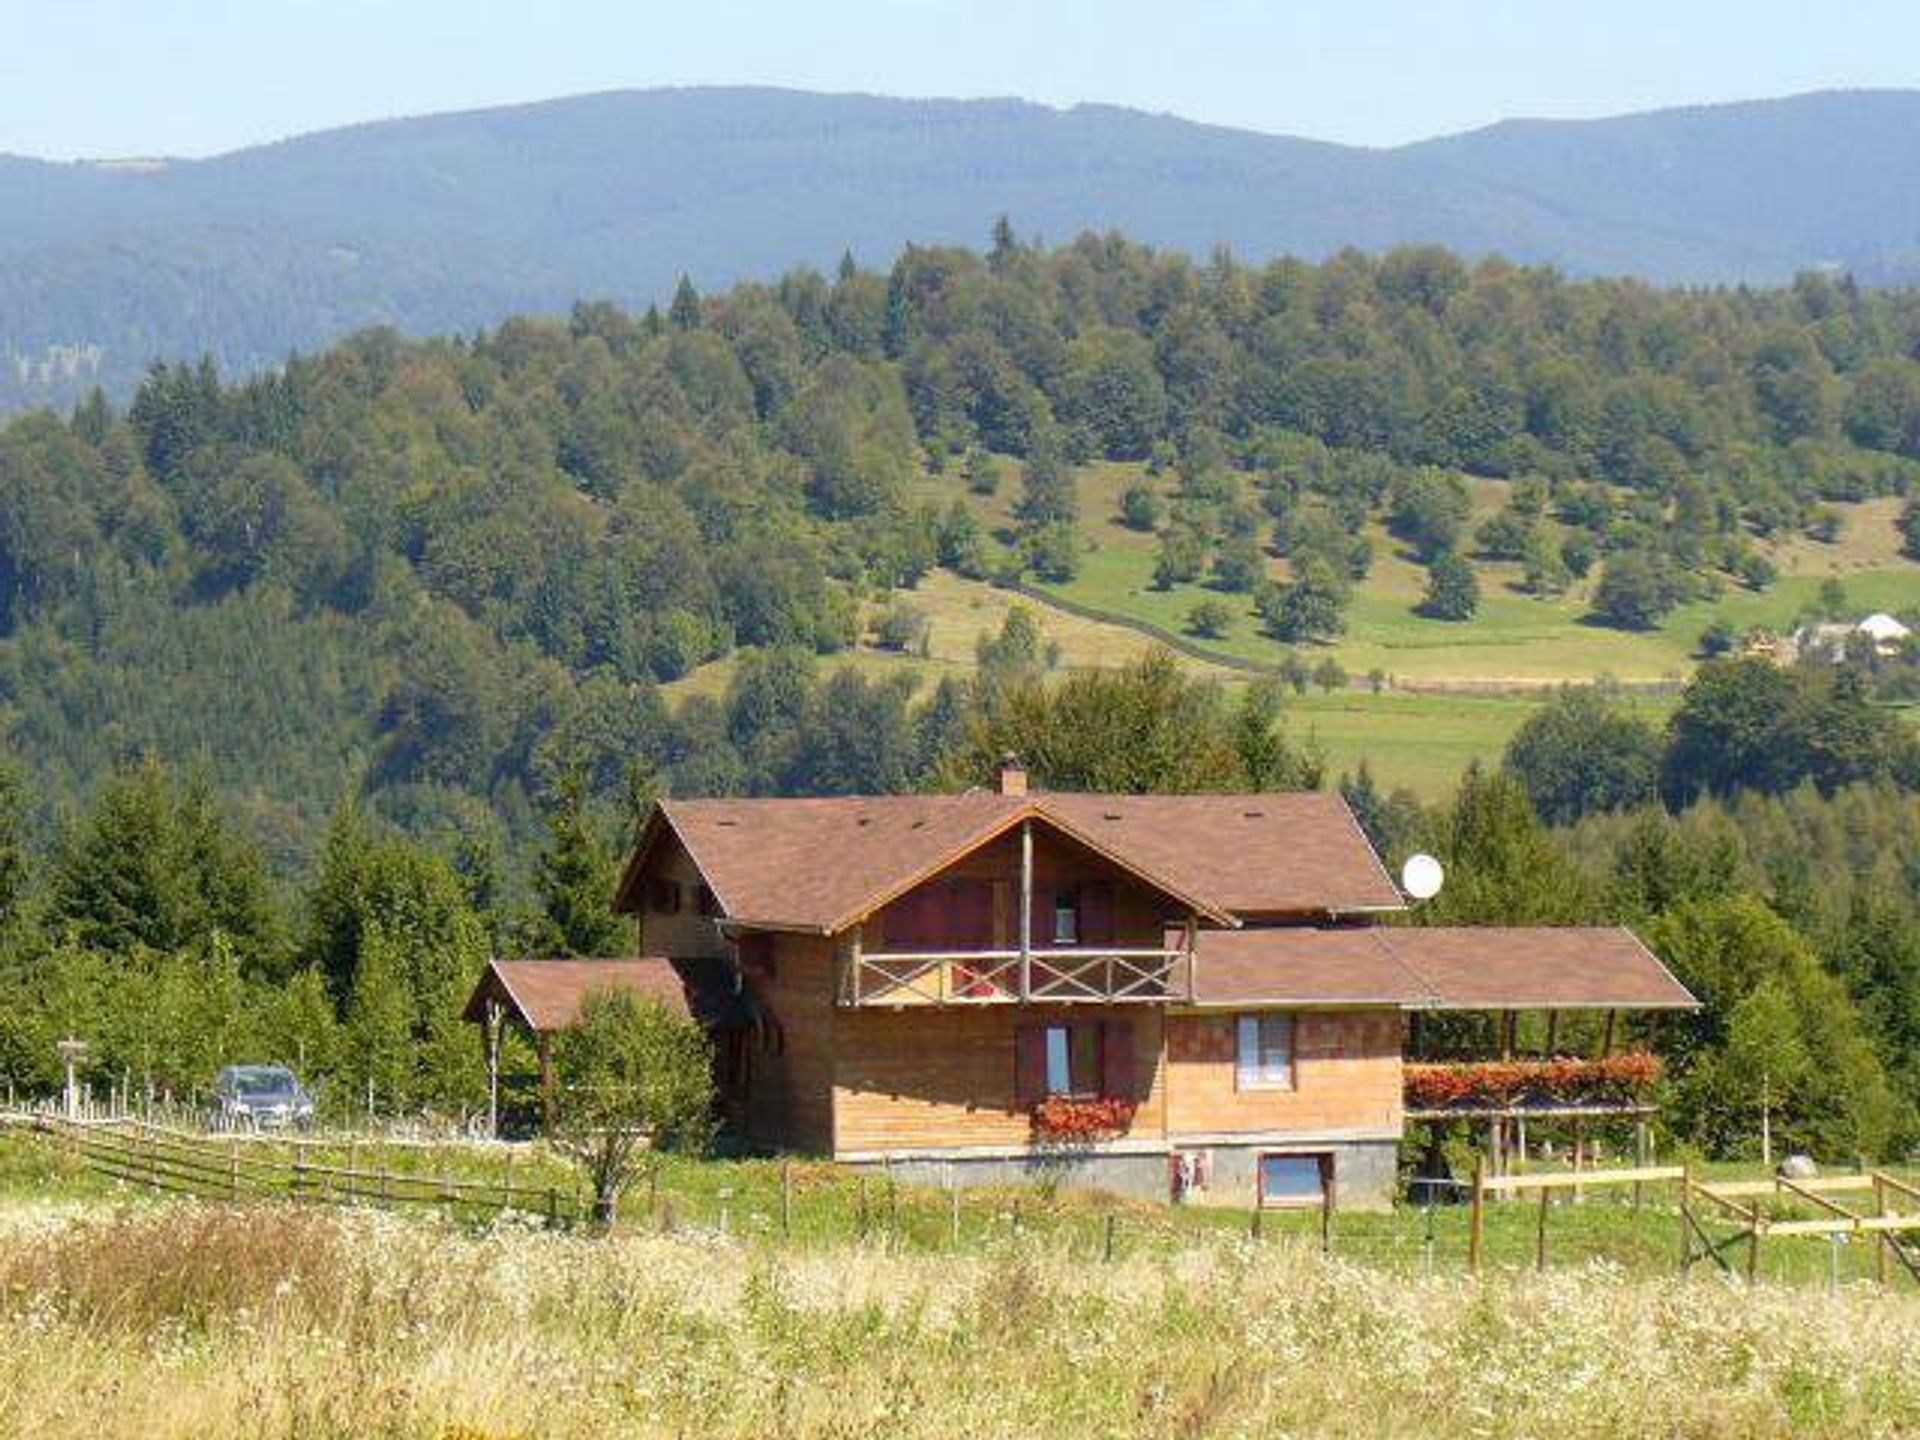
(1421, 877)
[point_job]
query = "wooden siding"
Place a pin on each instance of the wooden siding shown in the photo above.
(789, 1096)
(685, 934)
(1346, 1076)
(1140, 914)
(922, 1079)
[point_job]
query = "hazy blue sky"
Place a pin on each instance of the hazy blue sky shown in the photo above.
(94, 77)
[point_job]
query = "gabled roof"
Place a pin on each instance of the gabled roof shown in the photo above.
(1287, 852)
(820, 865)
(546, 995)
(1435, 968)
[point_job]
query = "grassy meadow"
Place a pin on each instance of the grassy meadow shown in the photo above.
(180, 1320)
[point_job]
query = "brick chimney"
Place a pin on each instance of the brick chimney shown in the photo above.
(1013, 775)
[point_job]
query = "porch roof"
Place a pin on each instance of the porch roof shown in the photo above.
(1596, 967)
(546, 995)
(1437, 968)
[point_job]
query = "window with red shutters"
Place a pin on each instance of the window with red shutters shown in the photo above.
(1083, 1058)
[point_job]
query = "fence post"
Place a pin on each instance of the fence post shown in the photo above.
(1477, 1218)
(1106, 1251)
(1686, 1217)
(233, 1169)
(1880, 1240)
(1256, 1223)
(786, 1199)
(1326, 1217)
(1540, 1235)
(1753, 1247)
(553, 1207)
(953, 1210)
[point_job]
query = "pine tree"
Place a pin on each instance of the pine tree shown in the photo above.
(684, 313)
(13, 842)
(575, 877)
(380, 1036)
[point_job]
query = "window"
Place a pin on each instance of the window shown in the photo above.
(1073, 1059)
(1295, 1179)
(1066, 918)
(1084, 1059)
(1264, 1053)
(663, 897)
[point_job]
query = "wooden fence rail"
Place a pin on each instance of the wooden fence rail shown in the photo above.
(221, 1169)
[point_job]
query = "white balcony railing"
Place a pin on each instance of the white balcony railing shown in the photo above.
(1094, 975)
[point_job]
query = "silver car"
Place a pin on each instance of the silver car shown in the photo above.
(262, 1097)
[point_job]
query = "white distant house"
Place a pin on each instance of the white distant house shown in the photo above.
(1830, 641)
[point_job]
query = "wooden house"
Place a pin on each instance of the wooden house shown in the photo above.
(1142, 992)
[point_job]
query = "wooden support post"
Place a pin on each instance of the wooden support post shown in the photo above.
(1606, 1039)
(1106, 1248)
(1476, 1220)
(233, 1169)
(1553, 1033)
(490, 1038)
(953, 1211)
(1579, 1156)
(1326, 1216)
(1642, 1156)
(786, 1199)
(1540, 1233)
(1026, 910)
(1753, 1248)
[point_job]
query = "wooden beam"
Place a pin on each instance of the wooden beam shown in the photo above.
(1026, 909)
(1566, 1180)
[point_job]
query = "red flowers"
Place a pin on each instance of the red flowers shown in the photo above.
(1514, 1082)
(1070, 1119)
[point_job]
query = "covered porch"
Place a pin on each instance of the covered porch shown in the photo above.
(541, 998)
(1537, 1043)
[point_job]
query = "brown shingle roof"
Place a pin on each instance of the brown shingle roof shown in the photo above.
(1289, 852)
(546, 995)
(1600, 968)
(1301, 965)
(820, 864)
(1592, 968)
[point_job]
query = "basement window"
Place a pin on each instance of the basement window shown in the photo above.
(1295, 1179)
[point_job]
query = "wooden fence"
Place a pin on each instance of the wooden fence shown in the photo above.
(213, 1168)
(1887, 1225)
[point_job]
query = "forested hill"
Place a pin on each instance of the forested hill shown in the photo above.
(441, 575)
(449, 222)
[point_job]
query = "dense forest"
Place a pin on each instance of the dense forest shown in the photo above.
(437, 576)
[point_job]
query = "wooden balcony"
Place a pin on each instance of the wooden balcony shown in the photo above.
(1093, 975)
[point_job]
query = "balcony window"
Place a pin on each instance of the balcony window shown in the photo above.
(1066, 918)
(1264, 1051)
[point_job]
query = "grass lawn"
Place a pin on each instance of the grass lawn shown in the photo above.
(210, 1322)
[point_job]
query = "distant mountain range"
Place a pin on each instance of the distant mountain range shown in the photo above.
(453, 221)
